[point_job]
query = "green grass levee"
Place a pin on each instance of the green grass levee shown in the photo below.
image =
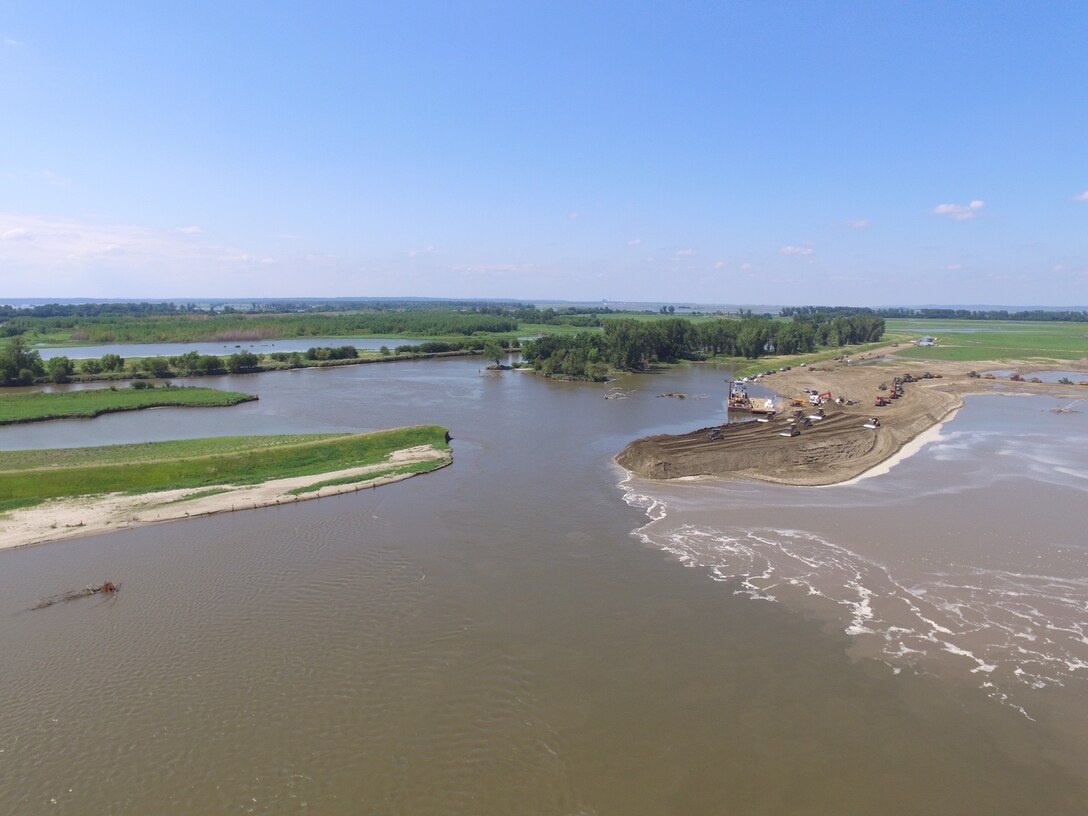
(32, 476)
(42, 406)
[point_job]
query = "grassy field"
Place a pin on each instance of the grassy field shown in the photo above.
(42, 406)
(970, 340)
(28, 477)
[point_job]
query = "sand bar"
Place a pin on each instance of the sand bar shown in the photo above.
(91, 515)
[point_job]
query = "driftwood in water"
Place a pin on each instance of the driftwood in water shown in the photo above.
(105, 588)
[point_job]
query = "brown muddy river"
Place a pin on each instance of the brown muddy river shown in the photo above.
(515, 634)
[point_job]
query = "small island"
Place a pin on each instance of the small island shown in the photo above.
(42, 406)
(62, 493)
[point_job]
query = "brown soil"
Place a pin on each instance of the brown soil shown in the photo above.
(834, 449)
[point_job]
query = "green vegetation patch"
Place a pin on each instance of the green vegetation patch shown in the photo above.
(41, 406)
(6, 505)
(155, 466)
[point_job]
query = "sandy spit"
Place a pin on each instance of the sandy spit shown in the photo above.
(93, 515)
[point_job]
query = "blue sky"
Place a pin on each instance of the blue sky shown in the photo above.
(756, 152)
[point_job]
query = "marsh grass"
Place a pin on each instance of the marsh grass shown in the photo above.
(42, 406)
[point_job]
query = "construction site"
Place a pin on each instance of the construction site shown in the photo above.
(841, 420)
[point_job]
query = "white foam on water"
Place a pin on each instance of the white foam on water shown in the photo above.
(1017, 631)
(1020, 631)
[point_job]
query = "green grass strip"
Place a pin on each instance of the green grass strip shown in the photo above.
(172, 465)
(41, 406)
(15, 504)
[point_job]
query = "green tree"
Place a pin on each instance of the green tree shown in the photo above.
(112, 362)
(18, 365)
(493, 351)
(59, 369)
(156, 366)
(242, 361)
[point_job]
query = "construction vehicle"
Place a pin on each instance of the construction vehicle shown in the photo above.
(738, 397)
(791, 430)
(873, 423)
(1016, 378)
(881, 402)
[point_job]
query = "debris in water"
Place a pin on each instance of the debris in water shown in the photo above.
(105, 588)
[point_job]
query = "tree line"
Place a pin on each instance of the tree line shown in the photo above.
(940, 314)
(203, 327)
(633, 345)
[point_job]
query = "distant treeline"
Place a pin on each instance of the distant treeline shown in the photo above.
(632, 345)
(257, 307)
(195, 327)
(939, 314)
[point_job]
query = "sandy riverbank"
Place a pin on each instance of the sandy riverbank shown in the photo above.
(838, 448)
(92, 515)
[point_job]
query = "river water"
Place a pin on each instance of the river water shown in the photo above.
(528, 631)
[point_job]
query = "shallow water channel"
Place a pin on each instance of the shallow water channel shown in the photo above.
(497, 638)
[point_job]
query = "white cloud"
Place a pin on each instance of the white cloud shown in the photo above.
(574, 215)
(635, 242)
(719, 264)
(427, 250)
(746, 266)
(954, 267)
(83, 248)
(191, 230)
(1081, 196)
(960, 212)
(796, 250)
(857, 223)
(685, 253)
(11, 42)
